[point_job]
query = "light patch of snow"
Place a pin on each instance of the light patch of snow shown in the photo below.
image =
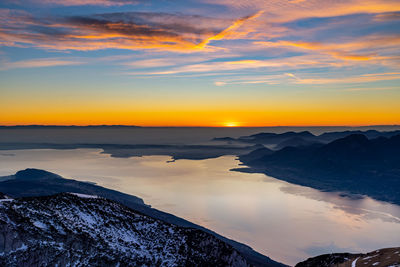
(84, 195)
(22, 247)
(375, 263)
(6, 200)
(353, 264)
(40, 225)
(369, 257)
(87, 218)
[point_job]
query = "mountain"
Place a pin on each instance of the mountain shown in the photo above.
(72, 229)
(378, 258)
(35, 183)
(302, 138)
(370, 134)
(274, 138)
(295, 141)
(352, 164)
(256, 154)
(33, 126)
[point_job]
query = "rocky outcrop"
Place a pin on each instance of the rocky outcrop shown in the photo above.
(378, 258)
(83, 230)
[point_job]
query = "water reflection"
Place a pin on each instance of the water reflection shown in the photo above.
(286, 222)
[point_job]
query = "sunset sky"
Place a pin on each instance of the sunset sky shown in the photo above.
(200, 63)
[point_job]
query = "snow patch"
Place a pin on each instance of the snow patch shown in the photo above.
(6, 200)
(353, 264)
(40, 225)
(369, 257)
(375, 263)
(84, 195)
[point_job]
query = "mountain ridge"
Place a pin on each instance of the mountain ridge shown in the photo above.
(353, 164)
(84, 230)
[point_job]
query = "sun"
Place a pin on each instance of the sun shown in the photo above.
(231, 124)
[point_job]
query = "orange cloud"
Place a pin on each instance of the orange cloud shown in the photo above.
(354, 50)
(228, 30)
(283, 11)
(167, 32)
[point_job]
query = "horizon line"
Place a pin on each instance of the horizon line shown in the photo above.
(178, 126)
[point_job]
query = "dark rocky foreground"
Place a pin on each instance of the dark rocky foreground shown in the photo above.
(378, 258)
(82, 230)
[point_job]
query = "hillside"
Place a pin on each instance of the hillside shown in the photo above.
(378, 258)
(352, 164)
(85, 230)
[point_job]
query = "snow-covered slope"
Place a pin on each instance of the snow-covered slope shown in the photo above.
(386, 257)
(81, 230)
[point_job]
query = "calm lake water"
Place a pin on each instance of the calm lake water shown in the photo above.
(287, 222)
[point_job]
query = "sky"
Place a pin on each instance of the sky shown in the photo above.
(200, 63)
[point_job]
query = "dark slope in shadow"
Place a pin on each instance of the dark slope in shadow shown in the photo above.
(351, 164)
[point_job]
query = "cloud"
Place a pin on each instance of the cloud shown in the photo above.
(126, 30)
(37, 63)
(387, 16)
(295, 62)
(362, 49)
(279, 11)
(290, 78)
(361, 89)
(86, 2)
(229, 30)
(364, 78)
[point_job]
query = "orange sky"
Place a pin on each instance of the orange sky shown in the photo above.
(201, 63)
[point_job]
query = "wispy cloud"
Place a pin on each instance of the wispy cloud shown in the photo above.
(364, 78)
(366, 48)
(284, 11)
(290, 78)
(295, 62)
(367, 89)
(229, 30)
(38, 63)
(86, 2)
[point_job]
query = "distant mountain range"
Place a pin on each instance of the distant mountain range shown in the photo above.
(352, 164)
(67, 126)
(303, 138)
(38, 183)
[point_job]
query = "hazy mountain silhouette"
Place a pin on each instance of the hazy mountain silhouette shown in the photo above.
(303, 138)
(353, 164)
(274, 138)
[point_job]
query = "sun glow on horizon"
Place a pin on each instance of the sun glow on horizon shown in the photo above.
(231, 124)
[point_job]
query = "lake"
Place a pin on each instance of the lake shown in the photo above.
(286, 222)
